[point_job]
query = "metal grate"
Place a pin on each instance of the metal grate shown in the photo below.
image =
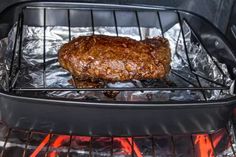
(14, 74)
(30, 143)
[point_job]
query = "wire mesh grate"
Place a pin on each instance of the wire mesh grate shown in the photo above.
(14, 74)
(30, 143)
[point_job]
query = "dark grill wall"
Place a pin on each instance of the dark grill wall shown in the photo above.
(217, 11)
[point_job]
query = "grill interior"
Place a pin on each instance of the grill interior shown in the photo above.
(161, 20)
(29, 142)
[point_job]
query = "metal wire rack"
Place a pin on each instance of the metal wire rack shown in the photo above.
(14, 73)
(31, 143)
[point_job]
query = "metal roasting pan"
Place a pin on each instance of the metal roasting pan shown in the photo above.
(117, 118)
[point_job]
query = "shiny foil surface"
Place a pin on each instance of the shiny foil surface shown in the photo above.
(39, 71)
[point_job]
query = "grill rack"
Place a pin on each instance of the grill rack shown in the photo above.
(13, 76)
(33, 143)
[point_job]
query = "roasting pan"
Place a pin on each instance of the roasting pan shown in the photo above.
(20, 110)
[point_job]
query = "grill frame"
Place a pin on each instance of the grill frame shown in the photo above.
(199, 87)
(134, 118)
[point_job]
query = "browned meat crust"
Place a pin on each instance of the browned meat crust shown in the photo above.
(86, 83)
(110, 59)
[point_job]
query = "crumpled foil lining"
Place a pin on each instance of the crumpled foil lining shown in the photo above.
(31, 72)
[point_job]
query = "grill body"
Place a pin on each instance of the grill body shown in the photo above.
(122, 118)
(112, 119)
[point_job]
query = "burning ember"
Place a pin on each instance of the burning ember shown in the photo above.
(125, 144)
(204, 145)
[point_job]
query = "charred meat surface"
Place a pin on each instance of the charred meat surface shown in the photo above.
(110, 59)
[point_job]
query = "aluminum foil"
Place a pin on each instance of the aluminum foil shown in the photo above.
(32, 67)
